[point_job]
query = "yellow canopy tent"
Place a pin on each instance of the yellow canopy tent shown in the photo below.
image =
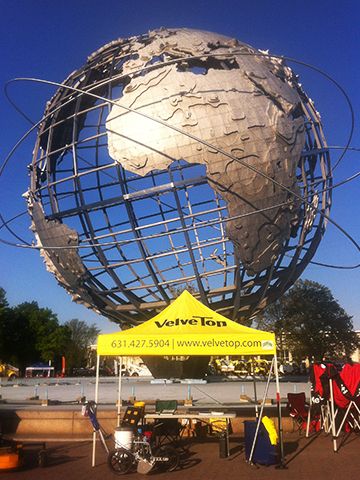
(187, 327)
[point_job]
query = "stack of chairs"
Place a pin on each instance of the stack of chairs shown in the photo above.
(336, 395)
(345, 396)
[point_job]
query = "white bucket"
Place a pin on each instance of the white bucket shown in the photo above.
(124, 437)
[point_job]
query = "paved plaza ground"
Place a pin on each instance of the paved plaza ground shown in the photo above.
(216, 391)
(305, 458)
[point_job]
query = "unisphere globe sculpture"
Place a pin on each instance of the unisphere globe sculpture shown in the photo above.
(179, 159)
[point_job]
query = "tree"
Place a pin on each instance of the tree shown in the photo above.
(272, 319)
(4, 311)
(82, 336)
(177, 291)
(312, 322)
(56, 344)
(31, 333)
(3, 301)
(42, 323)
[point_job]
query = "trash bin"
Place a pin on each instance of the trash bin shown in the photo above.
(264, 453)
(124, 437)
(223, 445)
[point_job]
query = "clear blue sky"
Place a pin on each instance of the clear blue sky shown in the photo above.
(48, 39)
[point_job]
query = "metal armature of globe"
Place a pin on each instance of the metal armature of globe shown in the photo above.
(176, 159)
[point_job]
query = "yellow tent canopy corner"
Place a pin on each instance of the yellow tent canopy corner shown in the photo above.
(187, 327)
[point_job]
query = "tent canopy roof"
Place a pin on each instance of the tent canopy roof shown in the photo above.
(187, 327)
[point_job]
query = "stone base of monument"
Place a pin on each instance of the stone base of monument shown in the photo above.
(178, 367)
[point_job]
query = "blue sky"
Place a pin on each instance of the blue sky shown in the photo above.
(47, 39)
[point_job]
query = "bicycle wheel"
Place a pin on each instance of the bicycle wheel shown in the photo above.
(173, 456)
(120, 461)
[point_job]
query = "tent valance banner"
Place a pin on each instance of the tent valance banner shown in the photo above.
(187, 327)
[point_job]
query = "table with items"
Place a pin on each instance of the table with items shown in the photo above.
(218, 421)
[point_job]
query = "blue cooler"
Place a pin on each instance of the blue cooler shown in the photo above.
(264, 453)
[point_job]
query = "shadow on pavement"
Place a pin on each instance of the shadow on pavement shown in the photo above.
(290, 447)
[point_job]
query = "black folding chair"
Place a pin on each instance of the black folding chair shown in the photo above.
(166, 406)
(167, 430)
(132, 417)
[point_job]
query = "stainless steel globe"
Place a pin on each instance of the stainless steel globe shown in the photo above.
(179, 159)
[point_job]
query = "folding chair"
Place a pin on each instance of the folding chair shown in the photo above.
(298, 410)
(167, 430)
(132, 417)
(89, 410)
(166, 406)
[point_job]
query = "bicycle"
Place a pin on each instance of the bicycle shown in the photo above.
(143, 454)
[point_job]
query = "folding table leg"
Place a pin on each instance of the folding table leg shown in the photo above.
(227, 436)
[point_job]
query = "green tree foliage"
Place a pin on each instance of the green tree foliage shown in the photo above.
(82, 336)
(30, 333)
(41, 322)
(17, 340)
(3, 301)
(273, 320)
(3, 314)
(311, 322)
(56, 344)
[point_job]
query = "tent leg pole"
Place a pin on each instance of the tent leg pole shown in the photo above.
(96, 402)
(259, 417)
(97, 379)
(93, 449)
(333, 426)
(119, 394)
(255, 392)
(278, 405)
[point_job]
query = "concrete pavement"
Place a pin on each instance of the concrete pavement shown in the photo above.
(305, 458)
(217, 390)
